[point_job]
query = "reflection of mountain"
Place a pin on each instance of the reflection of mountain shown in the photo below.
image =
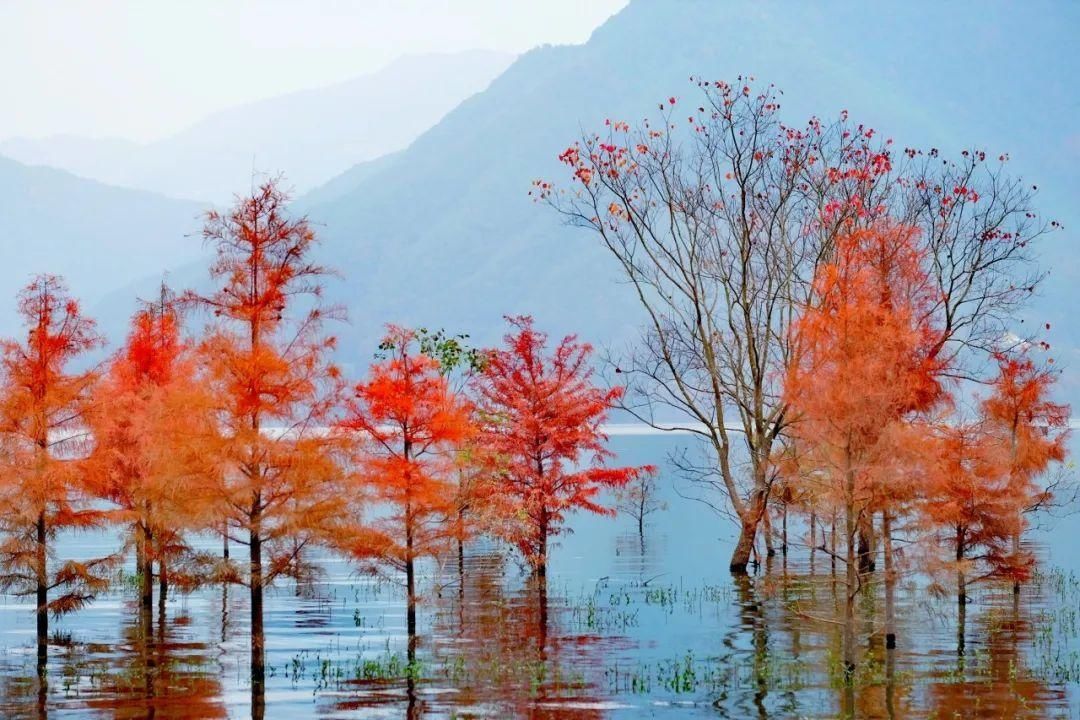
(311, 135)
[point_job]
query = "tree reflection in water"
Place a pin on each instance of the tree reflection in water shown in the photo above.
(153, 672)
(494, 642)
(495, 648)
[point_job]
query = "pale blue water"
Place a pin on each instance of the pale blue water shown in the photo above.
(633, 629)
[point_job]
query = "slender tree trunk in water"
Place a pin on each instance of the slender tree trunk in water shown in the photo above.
(42, 571)
(412, 712)
(146, 568)
(542, 598)
(961, 632)
(813, 541)
(783, 525)
(461, 568)
(767, 531)
(867, 551)
(410, 586)
(461, 544)
(541, 567)
(258, 639)
(850, 532)
(961, 598)
(961, 580)
(1016, 552)
(163, 583)
(832, 540)
(225, 540)
(890, 581)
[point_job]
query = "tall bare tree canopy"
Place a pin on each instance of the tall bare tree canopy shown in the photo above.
(719, 214)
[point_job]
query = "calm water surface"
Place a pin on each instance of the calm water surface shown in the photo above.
(632, 628)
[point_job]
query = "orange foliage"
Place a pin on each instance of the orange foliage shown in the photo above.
(864, 362)
(542, 418)
(989, 469)
(408, 425)
(155, 440)
(275, 392)
(42, 419)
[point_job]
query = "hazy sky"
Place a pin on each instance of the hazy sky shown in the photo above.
(142, 69)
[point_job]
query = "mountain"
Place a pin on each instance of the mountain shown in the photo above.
(95, 235)
(444, 234)
(310, 136)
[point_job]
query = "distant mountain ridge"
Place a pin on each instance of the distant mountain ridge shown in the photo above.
(309, 135)
(444, 234)
(95, 235)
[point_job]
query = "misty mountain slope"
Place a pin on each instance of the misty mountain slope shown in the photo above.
(444, 233)
(95, 235)
(311, 135)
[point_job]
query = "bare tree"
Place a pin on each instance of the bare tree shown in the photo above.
(638, 499)
(718, 225)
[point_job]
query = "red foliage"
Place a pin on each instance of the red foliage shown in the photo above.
(989, 469)
(275, 392)
(155, 440)
(409, 424)
(864, 359)
(542, 418)
(42, 419)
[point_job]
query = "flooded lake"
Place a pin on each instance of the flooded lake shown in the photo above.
(632, 627)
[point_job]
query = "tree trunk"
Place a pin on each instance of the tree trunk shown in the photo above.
(961, 580)
(461, 543)
(740, 557)
(146, 568)
(258, 638)
(163, 583)
(1016, 554)
(961, 633)
(867, 552)
(890, 581)
(541, 565)
(850, 535)
(783, 529)
(42, 571)
(767, 531)
(410, 587)
(832, 541)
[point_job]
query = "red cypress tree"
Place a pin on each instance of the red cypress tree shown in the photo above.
(276, 393)
(987, 479)
(542, 426)
(863, 362)
(408, 426)
(1021, 415)
(155, 442)
(43, 407)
